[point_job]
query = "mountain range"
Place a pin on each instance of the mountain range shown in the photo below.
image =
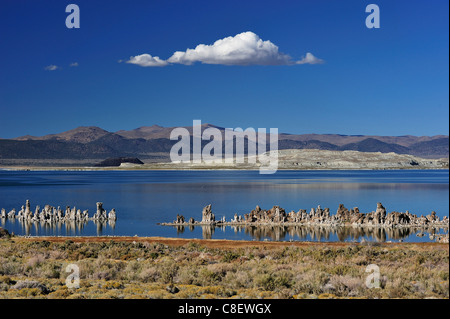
(152, 143)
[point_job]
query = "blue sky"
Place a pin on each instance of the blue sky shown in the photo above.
(387, 81)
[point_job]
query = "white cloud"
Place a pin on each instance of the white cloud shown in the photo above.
(310, 59)
(243, 49)
(246, 48)
(73, 64)
(147, 60)
(51, 67)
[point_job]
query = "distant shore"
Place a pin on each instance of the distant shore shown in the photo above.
(206, 168)
(289, 159)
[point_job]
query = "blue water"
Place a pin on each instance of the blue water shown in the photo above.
(144, 198)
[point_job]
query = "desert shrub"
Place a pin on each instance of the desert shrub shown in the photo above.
(113, 252)
(237, 279)
(30, 284)
(133, 290)
(103, 275)
(221, 269)
(4, 286)
(169, 272)
(188, 291)
(444, 275)
(273, 282)
(132, 270)
(192, 246)
(88, 251)
(208, 277)
(11, 267)
(40, 244)
(6, 280)
(68, 245)
(29, 292)
(217, 291)
(188, 275)
(113, 285)
(34, 262)
(107, 269)
(87, 268)
(50, 270)
(339, 270)
(276, 254)
(346, 285)
(59, 294)
(153, 255)
(56, 254)
(230, 255)
(159, 294)
(149, 274)
(398, 288)
(310, 282)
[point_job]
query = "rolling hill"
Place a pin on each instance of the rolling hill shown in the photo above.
(152, 143)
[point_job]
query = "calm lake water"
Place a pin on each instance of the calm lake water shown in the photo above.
(144, 198)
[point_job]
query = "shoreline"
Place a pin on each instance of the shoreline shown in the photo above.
(214, 243)
(285, 159)
(94, 169)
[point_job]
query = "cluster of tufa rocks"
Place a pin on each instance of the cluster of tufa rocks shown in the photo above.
(50, 214)
(318, 216)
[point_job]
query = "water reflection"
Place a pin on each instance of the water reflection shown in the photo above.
(207, 231)
(55, 228)
(320, 233)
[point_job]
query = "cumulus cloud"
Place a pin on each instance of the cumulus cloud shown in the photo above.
(310, 59)
(147, 60)
(246, 48)
(51, 67)
(243, 49)
(73, 64)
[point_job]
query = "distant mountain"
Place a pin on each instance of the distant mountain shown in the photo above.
(341, 140)
(53, 149)
(437, 147)
(82, 134)
(152, 143)
(156, 131)
(146, 132)
(375, 145)
(308, 144)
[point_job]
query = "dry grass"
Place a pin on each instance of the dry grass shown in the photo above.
(174, 268)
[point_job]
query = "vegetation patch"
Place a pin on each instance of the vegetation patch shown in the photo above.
(125, 269)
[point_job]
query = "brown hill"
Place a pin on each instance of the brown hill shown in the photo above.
(82, 134)
(153, 143)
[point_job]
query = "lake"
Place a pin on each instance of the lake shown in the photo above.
(144, 198)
